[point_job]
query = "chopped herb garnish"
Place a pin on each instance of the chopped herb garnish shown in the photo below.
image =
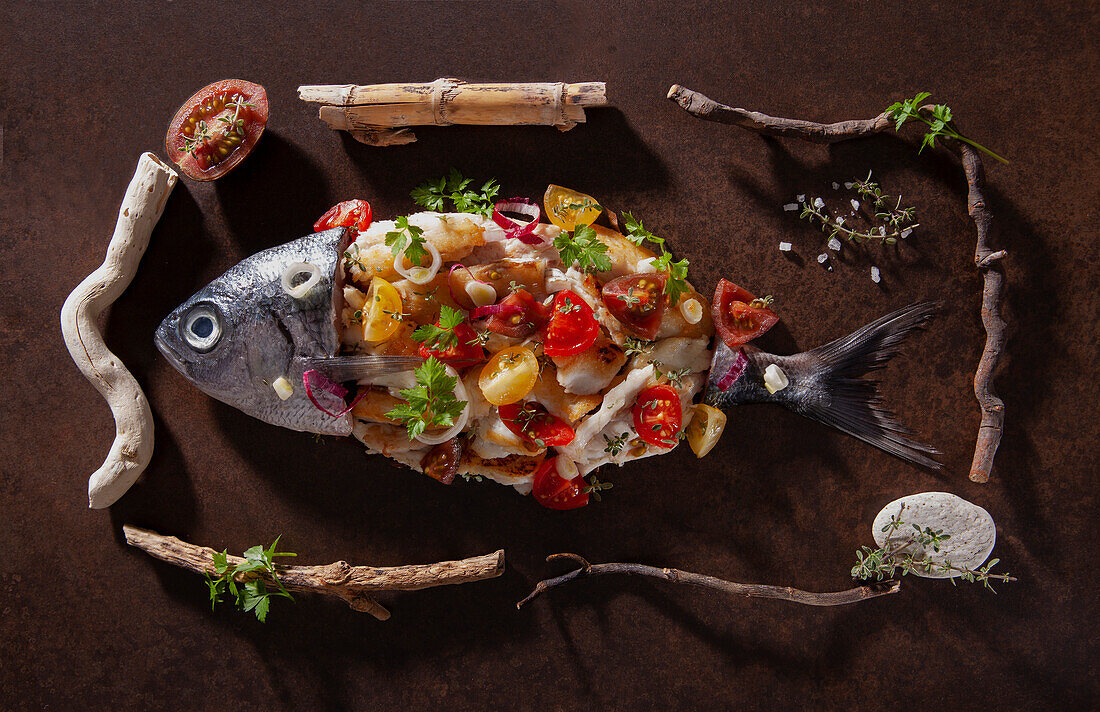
(584, 249)
(407, 239)
(252, 594)
(441, 336)
(431, 402)
(433, 194)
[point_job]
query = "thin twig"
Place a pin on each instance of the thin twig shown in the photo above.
(352, 584)
(751, 590)
(986, 260)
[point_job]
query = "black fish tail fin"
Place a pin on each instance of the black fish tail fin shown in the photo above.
(825, 383)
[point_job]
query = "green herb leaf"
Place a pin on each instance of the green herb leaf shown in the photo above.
(434, 194)
(407, 239)
(938, 126)
(431, 402)
(441, 336)
(584, 249)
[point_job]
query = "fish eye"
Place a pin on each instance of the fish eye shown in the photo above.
(201, 327)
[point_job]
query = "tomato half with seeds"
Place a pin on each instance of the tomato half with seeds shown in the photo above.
(352, 214)
(441, 462)
(569, 208)
(553, 491)
(738, 316)
(658, 416)
(217, 128)
(572, 327)
(535, 425)
(465, 351)
(533, 317)
(638, 301)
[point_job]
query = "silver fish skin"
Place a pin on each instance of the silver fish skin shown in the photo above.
(241, 332)
(825, 383)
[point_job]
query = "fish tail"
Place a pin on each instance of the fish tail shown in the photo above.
(825, 384)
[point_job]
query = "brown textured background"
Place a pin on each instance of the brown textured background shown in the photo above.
(86, 622)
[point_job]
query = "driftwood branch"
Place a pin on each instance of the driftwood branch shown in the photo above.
(751, 590)
(985, 259)
(351, 584)
(380, 114)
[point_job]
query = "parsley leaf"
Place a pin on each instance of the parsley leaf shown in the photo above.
(431, 402)
(938, 126)
(676, 283)
(252, 594)
(434, 194)
(441, 336)
(584, 249)
(408, 239)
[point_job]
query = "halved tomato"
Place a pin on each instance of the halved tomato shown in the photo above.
(353, 214)
(382, 312)
(216, 128)
(567, 208)
(534, 424)
(441, 462)
(465, 351)
(509, 376)
(530, 320)
(638, 301)
(737, 318)
(572, 327)
(657, 415)
(553, 491)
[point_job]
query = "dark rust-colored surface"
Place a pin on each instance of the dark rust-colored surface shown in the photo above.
(86, 622)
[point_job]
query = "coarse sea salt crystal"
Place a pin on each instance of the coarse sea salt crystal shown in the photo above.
(790, 206)
(801, 198)
(784, 247)
(855, 204)
(834, 244)
(882, 230)
(848, 185)
(822, 258)
(906, 232)
(840, 220)
(819, 203)
(876, 276)
(836, 186)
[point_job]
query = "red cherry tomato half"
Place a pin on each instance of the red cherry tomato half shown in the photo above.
(657, 415)
(553, 491)
(533, 317)
(350, 213)
(572, 327)
(638, 301)
(531, 422)
(735, 319)
(465, 352)
(216, 128)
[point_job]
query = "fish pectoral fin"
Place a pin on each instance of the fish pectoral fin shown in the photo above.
(357, 368)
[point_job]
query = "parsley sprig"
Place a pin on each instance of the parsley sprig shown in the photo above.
(939, 126)
(252, 594)
(434, 194)
(431, 402)
(407, 239)
(676, 284)
(441, 336)
(584, 249)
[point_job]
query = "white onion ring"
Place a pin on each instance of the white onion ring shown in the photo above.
(460, 394)
(294, 269)
(419, 275)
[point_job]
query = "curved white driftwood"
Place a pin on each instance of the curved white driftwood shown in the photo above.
(133, 446)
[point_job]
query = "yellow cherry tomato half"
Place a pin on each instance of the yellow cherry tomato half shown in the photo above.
(567, 208)
(509, 375)
(382, 312)
(705, 428)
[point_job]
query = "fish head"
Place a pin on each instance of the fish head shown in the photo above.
(235, 337)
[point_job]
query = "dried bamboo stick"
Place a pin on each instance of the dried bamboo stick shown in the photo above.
(352, 584)
(378, 114)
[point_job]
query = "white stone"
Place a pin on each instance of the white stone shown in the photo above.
(972, 530)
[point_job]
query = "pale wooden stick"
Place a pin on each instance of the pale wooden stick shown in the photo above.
(351, 584)
(133, 444)
(376, 114)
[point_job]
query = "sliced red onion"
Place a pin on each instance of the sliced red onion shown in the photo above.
(314, 378)
(735, 371)
(513, 228)
(505, 309)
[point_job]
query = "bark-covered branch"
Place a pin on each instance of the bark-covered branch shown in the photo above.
(986, 260)
(351, 584)
(751, 590)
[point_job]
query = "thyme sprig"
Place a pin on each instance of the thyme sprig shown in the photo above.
(939, 126)
(885, 561)
(890, 222)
